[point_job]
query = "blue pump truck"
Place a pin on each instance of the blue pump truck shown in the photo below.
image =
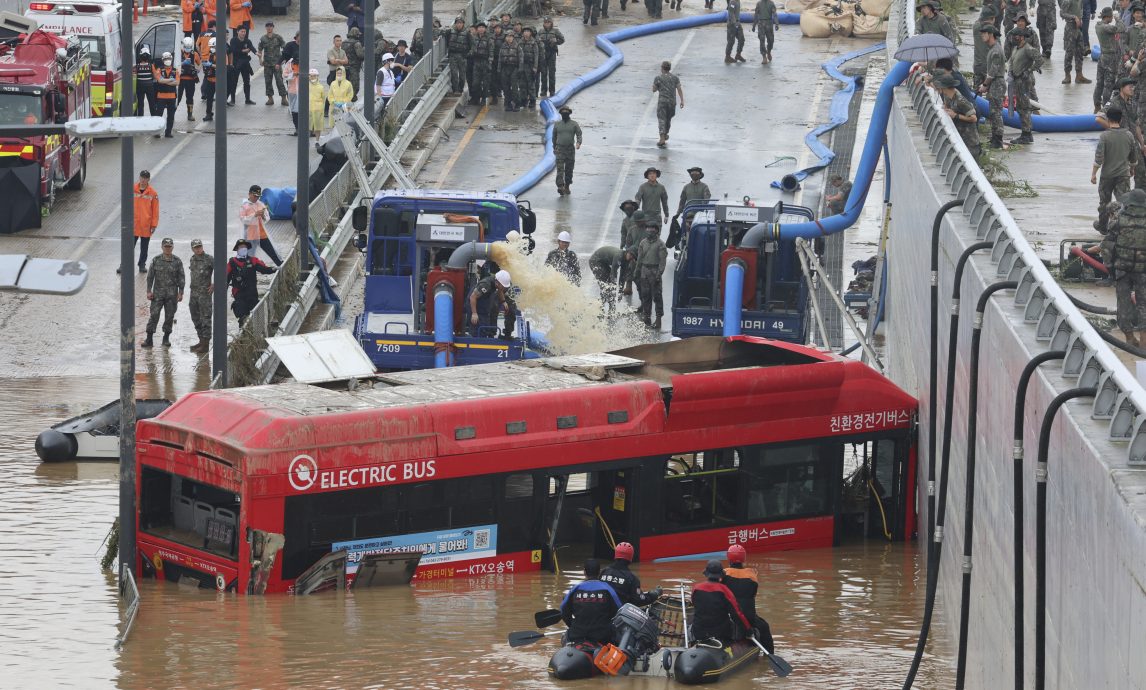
(773, 296)
(425, 252)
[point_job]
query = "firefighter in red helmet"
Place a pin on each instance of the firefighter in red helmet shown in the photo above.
(624, 582)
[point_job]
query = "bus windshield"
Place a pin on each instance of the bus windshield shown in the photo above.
(20, 109)
(94, 46)
(188, 512)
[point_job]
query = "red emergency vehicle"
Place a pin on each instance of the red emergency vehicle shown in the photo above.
(680, 448)
(44, 79)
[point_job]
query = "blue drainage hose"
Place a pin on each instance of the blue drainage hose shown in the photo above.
(838, 114)
(605, 42)
(1044, 123)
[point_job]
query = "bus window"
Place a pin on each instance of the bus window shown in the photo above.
(516, 516)
(701, 489)
(470, 501)
(787, 482)
(579, 483)
(187, 512)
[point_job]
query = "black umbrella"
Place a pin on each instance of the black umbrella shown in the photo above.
(926, 48)
(343, 6)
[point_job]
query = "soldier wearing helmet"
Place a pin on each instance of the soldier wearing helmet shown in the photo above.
(742, 582)
(624, 581)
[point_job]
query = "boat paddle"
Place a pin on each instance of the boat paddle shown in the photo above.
(546, 618)
(524, 637)
(779, 666)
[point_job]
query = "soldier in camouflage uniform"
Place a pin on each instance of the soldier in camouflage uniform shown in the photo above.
(1045, 19)
(1107, 31)
(508, 60)
(931, 21)
(1012, 10)
(416, 42)
(1124, 99)
(994, 85)
(1073, 43)
(165, 290)
(1025, 61)
(632, 228)
(652, 255)
(734, 33)
(566, 141)
(271, 56)
(667, 86)
(550, 37)
(960, 110)
(1128, 265)
(355, 57)
(481, 55)
(1117, 155)
(526, 82)
(495, 75)
(457, 48)
(201, 267)
(979, 67)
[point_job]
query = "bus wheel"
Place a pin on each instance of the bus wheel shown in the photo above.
(77, 181)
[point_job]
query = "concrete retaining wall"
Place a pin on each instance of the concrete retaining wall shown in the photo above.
(1096, 596)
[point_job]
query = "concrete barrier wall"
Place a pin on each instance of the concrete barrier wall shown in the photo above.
(1096, 556)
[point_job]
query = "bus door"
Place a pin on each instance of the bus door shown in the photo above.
(891, 499)
(614, 506)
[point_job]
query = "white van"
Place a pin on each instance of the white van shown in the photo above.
(96, 24)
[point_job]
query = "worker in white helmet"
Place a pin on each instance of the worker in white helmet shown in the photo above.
(564, 259)
(488, 298)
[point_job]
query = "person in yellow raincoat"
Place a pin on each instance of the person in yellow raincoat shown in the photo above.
(339, 94)
(317, 101)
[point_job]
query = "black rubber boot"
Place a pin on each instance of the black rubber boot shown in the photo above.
(997, 142)
(166, 340)
(148, 342)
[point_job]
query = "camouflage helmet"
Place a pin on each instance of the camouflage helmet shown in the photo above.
(639, 216)
(1136, 199)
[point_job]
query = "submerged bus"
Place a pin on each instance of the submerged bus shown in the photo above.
(680, 448)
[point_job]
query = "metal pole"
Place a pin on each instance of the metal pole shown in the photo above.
(219, 297)
(302, 181)
(427, 28)
(368, 75)
(126, 305)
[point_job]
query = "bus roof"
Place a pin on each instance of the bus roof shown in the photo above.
(705, 390)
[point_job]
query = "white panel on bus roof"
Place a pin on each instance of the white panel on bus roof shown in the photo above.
(323, 356)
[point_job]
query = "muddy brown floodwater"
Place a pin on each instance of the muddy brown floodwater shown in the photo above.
(844, 617)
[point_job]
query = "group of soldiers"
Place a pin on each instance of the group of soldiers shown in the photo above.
(509, 60)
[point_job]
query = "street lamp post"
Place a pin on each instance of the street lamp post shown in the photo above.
(126, 303)
(302, 161)
(219, 263)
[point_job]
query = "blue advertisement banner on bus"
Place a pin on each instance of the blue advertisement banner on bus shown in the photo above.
(442, 546)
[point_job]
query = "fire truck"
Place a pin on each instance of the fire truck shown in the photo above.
(44, 79)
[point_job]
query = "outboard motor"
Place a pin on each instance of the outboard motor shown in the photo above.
(637, 632)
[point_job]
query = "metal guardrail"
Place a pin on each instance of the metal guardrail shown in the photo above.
(130, 594)
(1059, 325)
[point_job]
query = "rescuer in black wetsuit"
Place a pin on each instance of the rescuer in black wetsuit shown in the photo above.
(715, 613)
(626, 584)
(743, 584)
(589, 607)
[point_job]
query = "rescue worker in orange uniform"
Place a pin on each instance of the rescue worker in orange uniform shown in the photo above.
(166, 83)
(742, 582)
(203, 43)
(240, 14)
(210, 69)
(146, 205)
(193, 19)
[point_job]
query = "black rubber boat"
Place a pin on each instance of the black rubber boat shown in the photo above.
(574, 662)
(703, 664)
(92, 436)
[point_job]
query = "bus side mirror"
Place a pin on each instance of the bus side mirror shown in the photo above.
(528, 220)
(359, 218)
(60, 107)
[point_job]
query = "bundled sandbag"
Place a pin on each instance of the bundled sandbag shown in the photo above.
(876, 8)
(869, 26)
(799, 6)
(826, 21)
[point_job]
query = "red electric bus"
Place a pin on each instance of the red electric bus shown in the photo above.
(680, 448)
